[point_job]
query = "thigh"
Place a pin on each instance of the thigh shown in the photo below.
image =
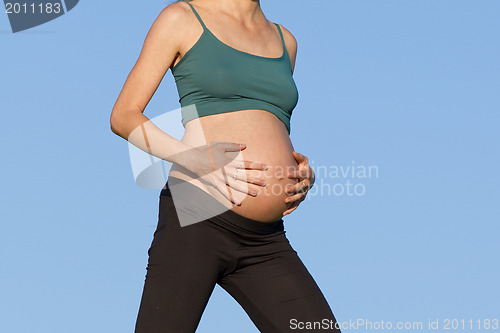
(276, 290)
(181, 273)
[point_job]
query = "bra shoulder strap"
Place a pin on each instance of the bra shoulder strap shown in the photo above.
(281, 35)
(197, 15)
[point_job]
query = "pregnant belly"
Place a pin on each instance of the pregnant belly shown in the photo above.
(266, 140)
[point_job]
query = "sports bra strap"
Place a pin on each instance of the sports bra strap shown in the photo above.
(282, 39)
(197, 15)
(205, 28)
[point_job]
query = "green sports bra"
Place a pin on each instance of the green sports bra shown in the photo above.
(217, 78)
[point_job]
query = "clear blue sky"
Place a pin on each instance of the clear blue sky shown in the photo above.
(410, 87)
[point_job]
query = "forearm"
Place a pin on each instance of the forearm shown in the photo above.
(136, 128)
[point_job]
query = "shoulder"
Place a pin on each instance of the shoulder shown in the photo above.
(291, 43)
(290, 40)
(173, 23)
(174, 14)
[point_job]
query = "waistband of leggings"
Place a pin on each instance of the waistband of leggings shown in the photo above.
(227, 216)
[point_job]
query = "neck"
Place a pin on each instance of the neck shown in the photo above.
(247, 11)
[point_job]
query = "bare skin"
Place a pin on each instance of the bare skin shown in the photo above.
(253, 177)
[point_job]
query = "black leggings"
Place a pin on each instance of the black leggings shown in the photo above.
(252, 260)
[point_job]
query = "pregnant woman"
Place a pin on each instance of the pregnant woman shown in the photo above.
(234, 175)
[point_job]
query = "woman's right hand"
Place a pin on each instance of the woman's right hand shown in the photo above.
(221, 164)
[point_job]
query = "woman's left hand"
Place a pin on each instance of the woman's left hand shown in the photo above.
(305, 174)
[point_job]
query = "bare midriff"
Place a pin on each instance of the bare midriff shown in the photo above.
(267, 141)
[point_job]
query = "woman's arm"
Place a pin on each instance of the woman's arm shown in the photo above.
(127, 120)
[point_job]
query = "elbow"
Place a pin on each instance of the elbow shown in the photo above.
(114, 123)
(121, 120)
